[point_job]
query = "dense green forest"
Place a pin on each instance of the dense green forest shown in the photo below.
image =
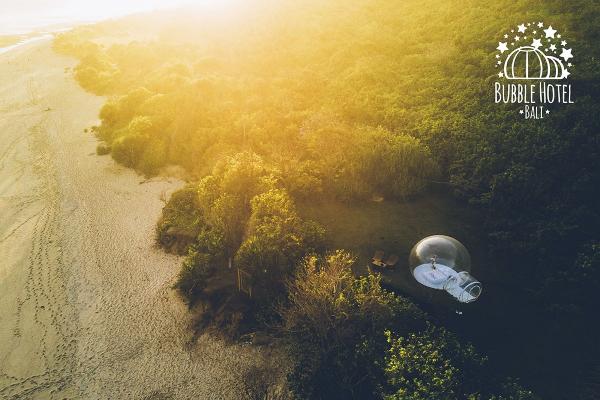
(279, 103)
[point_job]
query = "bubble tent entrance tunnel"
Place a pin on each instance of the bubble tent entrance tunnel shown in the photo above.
(442, 262)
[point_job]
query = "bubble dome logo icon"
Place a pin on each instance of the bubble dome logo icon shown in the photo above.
(533, 53)
(527, 62)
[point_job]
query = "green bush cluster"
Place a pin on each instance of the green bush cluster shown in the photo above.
(245, 218)
(195, 107)
(351, 339)
(357, 100)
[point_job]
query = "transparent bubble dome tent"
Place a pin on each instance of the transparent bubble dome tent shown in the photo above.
(443, 263)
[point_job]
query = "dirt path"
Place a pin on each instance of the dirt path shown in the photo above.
(86, 309)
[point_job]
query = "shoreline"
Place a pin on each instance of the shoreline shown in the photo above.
(85, 295)
(25, 41)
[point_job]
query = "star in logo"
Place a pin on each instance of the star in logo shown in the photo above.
(520, 111)
(545, 44)
(566, 54)
(550, 32)
(547, 111)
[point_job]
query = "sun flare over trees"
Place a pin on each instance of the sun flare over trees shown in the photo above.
(306, 140)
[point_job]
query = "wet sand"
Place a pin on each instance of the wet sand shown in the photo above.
(86, 308)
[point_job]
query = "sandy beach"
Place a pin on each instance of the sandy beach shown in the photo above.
(86, 305)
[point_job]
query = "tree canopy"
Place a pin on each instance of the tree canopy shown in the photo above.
(354, 101)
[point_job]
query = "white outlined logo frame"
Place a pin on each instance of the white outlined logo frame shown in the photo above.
(520, 51)
(533, 62)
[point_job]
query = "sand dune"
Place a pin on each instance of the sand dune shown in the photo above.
(86, 309)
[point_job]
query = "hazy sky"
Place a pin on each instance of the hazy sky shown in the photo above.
(22, 14)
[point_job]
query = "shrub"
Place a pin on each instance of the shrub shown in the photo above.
(128, 150)
(276, 240)
(153, 158)
(428, 365)
(335, 323)
(102, 149)
(196, 269)
(433, 364)
(181, 213)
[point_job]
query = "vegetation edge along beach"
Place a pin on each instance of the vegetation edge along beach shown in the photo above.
(373, 104)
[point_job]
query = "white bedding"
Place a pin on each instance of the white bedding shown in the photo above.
(426, 275)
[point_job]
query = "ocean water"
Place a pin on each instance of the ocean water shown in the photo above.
(32, 29)
(24, 16)
(36, 18)
(36, 28)
(22, 26)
